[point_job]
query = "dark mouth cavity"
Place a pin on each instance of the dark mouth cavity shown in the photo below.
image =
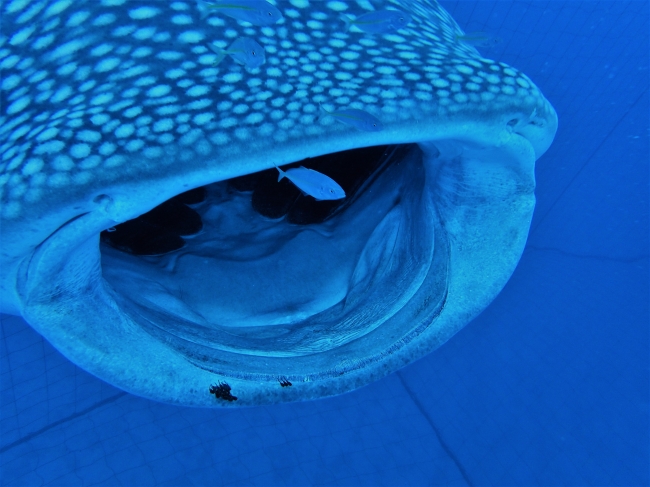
(161, 230)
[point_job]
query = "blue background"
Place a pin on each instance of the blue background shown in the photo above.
(549, 386)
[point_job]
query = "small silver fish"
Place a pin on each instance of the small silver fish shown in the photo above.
(313, 183)
(380, 21)
(357, 118)
(257, 12)
(477, 39)
(203, 9)
(244, 50)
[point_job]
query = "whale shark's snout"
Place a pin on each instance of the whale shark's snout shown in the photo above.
(111, 109)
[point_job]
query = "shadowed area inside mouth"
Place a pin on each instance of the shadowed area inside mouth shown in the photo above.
(238, 271)
(161, 230)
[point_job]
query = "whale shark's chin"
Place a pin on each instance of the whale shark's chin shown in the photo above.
(259, 303)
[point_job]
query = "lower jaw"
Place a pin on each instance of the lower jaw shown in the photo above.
(328, 307)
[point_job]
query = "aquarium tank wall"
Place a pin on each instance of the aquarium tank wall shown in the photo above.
(305, 242)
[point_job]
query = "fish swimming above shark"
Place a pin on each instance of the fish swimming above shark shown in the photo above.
(244, 50)
(379, 21)
(257, 12)
(356, 118)
(112, 113)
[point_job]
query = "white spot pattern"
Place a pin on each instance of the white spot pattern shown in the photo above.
(111, 82)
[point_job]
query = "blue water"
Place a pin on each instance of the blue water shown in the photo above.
(549, 386)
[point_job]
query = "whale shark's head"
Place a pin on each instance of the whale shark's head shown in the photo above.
(111, 108)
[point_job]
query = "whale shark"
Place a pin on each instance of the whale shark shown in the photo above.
(110, 109)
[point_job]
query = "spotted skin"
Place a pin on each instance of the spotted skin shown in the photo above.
(110, 107)
(92, 89)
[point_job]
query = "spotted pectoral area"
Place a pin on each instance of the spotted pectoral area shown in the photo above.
(256, 201)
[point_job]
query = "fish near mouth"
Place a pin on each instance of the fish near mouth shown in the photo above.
(273, 263)
(129, 107)
(254, 301)
(278, 285)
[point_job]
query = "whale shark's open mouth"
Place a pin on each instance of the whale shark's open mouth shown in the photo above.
(145, 233)
(256, 298)
(280, 290)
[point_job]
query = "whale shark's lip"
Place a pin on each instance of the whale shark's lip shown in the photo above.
(439, 232)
